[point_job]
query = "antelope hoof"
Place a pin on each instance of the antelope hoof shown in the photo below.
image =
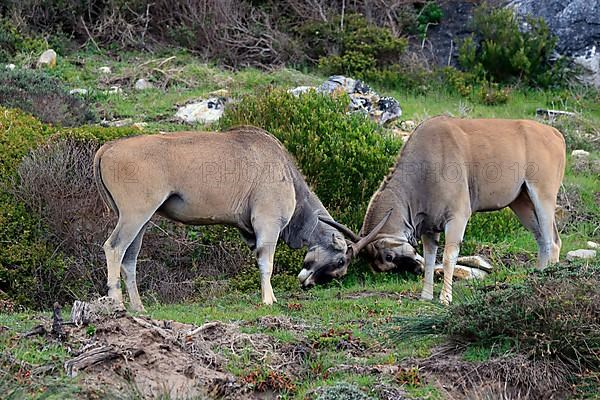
(426, 296)
(269, 299)
(445, 298)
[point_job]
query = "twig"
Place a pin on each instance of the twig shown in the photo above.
(89, 34)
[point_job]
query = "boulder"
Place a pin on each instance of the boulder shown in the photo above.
(206, 111)
(143, 84)
(593, 245)
(47, 59)
(362, 98)
(10, 66)
(582, 254)
(104, 70)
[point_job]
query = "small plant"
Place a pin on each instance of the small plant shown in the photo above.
(431, 13)
(356, 50)
(409, 376)
(491, 94)
(270, 380)
(42, 96)
(90, 330)
(341, 391)
(502, 51)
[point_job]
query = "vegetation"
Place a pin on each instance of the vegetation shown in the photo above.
(501, 51)
(344, 337)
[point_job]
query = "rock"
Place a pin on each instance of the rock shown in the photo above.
(142, 84)
(79, 91)
(10, 66)
(362, 98)
(475, 262)
(104, 70)
(461, 272)
(206, 111)
(117, 123)
(593, 245)
(408, 126)
(47, 59)
(580, 154)
(220, 93)
(140, 125)
(114, 90)
(301, 90)
(583, 254)
(595, 167)
(590, 63)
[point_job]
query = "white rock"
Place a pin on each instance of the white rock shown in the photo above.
(79, 91)
(593, 245)
(10, 66)
(47, 59)
(117, 123)
(206, 111)
(590, 61)
(114, 90)
(142, 84)
(301, 90)
(580, 153)
(408, 125)
(104, 70)
(462, 272)
(475, 262)
(584, 254)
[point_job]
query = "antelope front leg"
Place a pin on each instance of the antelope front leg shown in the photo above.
(265, 254)
(455, 230)
(430, 245)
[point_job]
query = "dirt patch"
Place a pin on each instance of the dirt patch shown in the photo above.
(118, 353)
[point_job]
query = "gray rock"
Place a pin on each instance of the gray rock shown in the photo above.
(593, 245)
(104, 70)
(582, 254)
(362, 98)
(142, 84)
(47, 59)
(10, 66)
(79, 91)
(206, 111)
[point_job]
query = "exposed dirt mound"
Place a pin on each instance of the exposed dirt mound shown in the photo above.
(114, 353)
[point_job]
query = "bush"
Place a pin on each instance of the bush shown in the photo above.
(357, 49)
(552, 315)
(43, 96)
(502, 52)
(343, 157)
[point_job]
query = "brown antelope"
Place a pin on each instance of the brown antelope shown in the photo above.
(242, 177)
(451, 168)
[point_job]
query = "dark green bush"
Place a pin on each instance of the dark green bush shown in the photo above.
(12, 41)
(503, 52)
(551, 315)
(431, 13)
(355, 50)
(43, 96)
(344, 157)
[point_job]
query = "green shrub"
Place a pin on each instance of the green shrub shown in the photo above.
(43, 96)
(491, 94)
(431, 13)
(356, 50)
(12, 42)
(551, 315)
(343, 157)
(502, 52)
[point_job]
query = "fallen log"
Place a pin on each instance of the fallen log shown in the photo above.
(89, 358)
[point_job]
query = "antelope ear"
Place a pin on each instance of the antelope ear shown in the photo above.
(338, 242)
